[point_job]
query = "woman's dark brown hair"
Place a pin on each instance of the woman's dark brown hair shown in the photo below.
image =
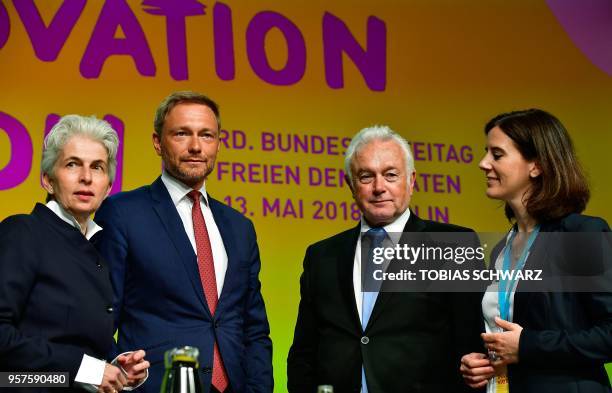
(561, 188)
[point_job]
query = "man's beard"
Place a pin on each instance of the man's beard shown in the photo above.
(187, 176)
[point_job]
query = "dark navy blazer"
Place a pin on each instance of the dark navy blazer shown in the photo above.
(158, 297)
(55, 295)
(566, 337)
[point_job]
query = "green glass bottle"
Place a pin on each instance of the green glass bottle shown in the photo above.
(181, 374)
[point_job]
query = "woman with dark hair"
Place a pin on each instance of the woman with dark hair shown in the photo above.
(552, 340)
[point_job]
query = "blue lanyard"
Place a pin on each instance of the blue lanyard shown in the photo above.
(506, 285)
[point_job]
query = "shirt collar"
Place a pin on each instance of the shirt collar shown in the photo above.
(179, 190)
(92, 227)
(396, 226)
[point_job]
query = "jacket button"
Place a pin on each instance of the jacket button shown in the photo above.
(216, 324)
(109, 309)
(365, 340)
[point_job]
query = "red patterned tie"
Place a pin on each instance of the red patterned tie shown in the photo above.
(209, 282)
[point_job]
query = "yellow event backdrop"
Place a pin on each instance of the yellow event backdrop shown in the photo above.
(295, 80)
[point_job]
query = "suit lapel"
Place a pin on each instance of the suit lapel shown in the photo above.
(414, 224)
(346, 262)
(171, 221)
(538, 256)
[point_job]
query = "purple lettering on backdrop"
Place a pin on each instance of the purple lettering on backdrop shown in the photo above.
(117, 124)
(372, 62)
(18, 168)
(314, 176)
(466, 154)
(5, 26)
(120, 128)
(438, 185)
(439, 147)
(451, 154)
(236, 139)
(52, 119)
(48, 41)
(223, 136)
(103, 44)
(257, 30)
(224, 42)
(267, 141)
(175, 11)
(588, 25)
(417, 151)
(317, 148)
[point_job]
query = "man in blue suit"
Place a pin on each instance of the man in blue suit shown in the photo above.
(184, 266)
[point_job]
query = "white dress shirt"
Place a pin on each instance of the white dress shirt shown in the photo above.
(178, 193)
(92, 227)
(490, 306)
(396, 227)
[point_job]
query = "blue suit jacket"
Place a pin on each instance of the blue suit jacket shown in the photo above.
(158, 297)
